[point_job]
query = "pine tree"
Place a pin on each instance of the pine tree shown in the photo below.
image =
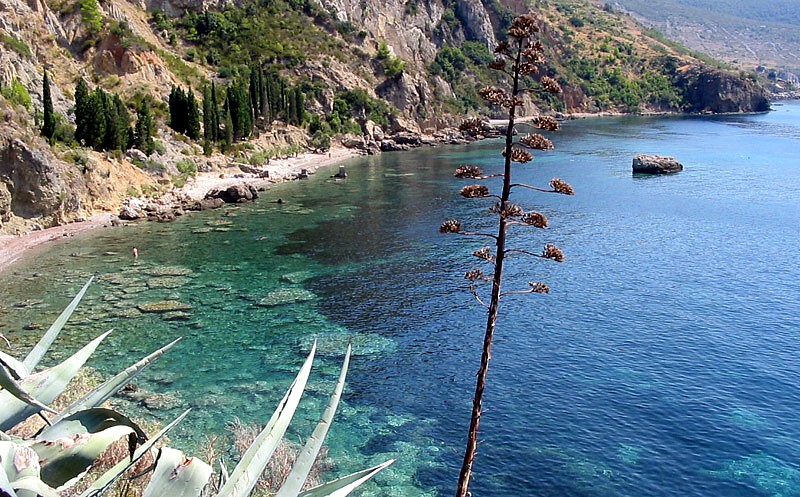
(228, 125)
(49, 124)
(192, 116)
(82, 115)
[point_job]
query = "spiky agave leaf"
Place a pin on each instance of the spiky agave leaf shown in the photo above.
(177, 475)
(255, 459)
(109, 388)
(5, 486)
(45, 386)
(109, 477)
(305, 460)
(68, 448)
(343, 486)
(12, 387)
(20, 466)
(40, 349)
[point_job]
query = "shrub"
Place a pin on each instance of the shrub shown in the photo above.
(17, 94)
(16, 45)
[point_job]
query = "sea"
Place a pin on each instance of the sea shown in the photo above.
(664, 362)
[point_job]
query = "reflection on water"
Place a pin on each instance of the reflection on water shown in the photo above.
(663, 363)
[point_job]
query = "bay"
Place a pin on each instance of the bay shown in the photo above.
(663, 362)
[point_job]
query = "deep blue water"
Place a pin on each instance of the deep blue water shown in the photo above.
(663, 363)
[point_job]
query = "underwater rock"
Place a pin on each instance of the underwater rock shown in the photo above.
(168, 271)
(285, 296)
(164, 306)
(167, 282)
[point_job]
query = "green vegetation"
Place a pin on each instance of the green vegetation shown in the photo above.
(17, 94)
(16, 45)
(38, 464)
(102, 120)
(49, 118)
(91, 16)
(184, 117)
(143, 132)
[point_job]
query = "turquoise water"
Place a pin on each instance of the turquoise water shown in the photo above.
(663, 362)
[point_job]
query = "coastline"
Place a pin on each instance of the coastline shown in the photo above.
(13, 247)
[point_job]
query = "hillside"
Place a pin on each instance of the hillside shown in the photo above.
(267, 78)
(747, 34)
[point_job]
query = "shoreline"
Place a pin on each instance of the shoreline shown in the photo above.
(13, 247)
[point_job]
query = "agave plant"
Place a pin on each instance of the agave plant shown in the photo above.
(60, 454)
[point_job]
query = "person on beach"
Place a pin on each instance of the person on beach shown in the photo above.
(135, 253)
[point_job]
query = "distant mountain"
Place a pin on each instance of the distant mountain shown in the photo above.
(743, 32)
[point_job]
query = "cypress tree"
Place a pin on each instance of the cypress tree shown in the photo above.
(96, 119)
(192, 116)
(227, 140)
(207, 133)
(122, 118)
(291, 113)
(299, 106)
(214, 113)
(178, 110)
(253, 90)
(49, 124)
(143, 135)
(82, 109)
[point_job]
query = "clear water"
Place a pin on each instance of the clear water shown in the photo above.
(663, 363)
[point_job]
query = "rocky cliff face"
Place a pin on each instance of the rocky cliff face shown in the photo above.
(718, 91)
(34, 184)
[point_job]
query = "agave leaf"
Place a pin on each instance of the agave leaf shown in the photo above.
(71, 446)
(109, 477)
(33, 487)
(343, 486)
(305, 460)
(177, 475)
(45, 385)
(40, 349)
(255, 459)
(11, 386)
(20, 464)
(15, 367)
(5, 486)
(113, 385)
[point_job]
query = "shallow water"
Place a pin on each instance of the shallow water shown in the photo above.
(663, 362)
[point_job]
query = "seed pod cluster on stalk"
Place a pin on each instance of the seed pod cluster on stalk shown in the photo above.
(520, 58)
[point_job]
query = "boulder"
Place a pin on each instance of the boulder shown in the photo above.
(234, 194)
(655, 164)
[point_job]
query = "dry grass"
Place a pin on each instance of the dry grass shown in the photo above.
(241, 436)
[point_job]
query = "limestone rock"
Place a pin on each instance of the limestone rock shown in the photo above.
(655, 164)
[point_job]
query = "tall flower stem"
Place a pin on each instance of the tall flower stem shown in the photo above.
(465, 475)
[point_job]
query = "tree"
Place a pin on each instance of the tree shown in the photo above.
(208, 134)
(178, 110)
(143, 135)
(192, 116)
(525, 55)
(82, 112)
(49, 119)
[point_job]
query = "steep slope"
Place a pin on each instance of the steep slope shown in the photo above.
(748, 34)
(328, 67)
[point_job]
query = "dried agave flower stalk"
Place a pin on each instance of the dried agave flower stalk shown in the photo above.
(519, 57)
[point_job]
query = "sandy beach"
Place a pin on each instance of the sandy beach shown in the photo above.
(12, 246)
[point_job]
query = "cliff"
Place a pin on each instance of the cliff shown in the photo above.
(379, 68)
(718, 91)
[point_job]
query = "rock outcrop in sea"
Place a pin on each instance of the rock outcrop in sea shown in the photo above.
(655, 164)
